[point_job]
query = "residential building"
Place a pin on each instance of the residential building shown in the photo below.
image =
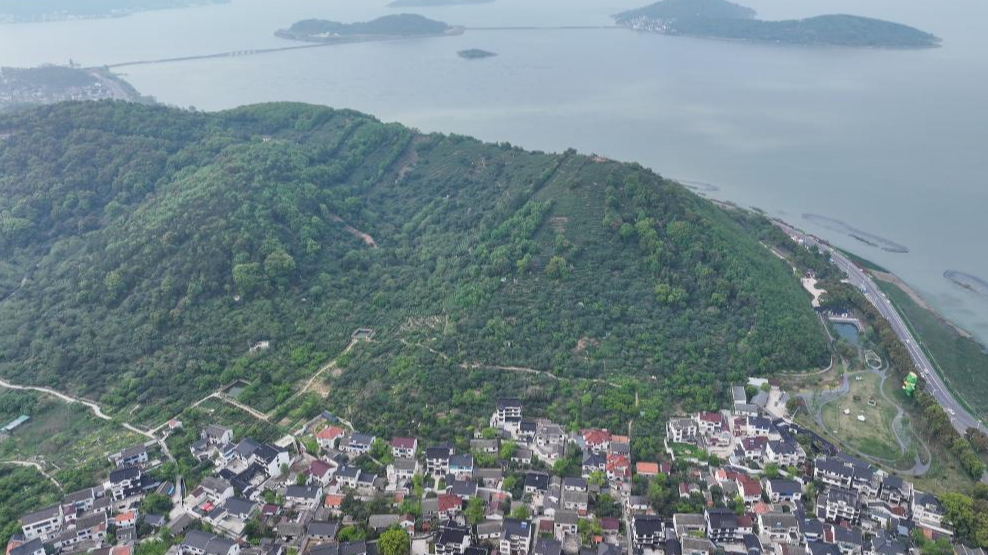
(516, 537)
(404, 447)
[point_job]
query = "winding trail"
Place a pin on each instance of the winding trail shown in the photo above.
(97, 410)
(39, 468)
(919, 468)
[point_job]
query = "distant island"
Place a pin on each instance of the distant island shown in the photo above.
(475, 54)
(434, 3)
(724, 20)
(21, 87)
(387, 27)
(21, 11)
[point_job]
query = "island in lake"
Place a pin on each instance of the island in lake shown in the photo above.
(724, 20)
(21, 11)
(434, 3)
(382, 28)
(475, 54)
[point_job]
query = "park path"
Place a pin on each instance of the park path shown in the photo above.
(918, 469)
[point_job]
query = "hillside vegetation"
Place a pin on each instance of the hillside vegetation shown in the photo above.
(146, 249)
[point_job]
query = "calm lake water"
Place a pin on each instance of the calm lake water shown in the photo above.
(892, 143)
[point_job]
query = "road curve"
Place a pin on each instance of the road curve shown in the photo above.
(959, 416)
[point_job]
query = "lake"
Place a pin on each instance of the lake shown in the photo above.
(889, 143)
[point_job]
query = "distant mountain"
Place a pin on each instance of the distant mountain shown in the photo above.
(688, 9)
(724, 20)
(17, 11)
(401, 25)
(434, 3)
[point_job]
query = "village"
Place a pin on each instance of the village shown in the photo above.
(744, 480)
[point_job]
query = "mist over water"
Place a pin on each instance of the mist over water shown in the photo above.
(891, 143)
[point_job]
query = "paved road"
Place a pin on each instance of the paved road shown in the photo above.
(960, 417)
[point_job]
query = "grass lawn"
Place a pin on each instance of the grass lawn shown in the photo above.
(945, 474)
(962, 362)
(873, 436)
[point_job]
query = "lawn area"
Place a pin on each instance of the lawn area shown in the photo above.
(945, 474)
(68, 439)
(688, 451)
(874, 435)
(962, 362)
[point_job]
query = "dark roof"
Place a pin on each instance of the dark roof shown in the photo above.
(537, 480)
(239, 506)
(515, 527)
(438, 453)
(81, 495)
(28, 547)
(785, 487)
(594, 459)
(364, 439)
(322, 529)
(463, 487)
(38, 516)
(463, 460)
(123, 474)
(575, 482)
(647, 525)
(452, 535)
(548, 547)
(529, 426)
(820, 548)
(508, 403)
(723, 519)
(302, 492)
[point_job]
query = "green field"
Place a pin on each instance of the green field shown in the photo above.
(51, 438)
(962, 362)
(873, 436)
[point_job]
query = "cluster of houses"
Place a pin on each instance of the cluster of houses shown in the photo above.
(762, 486)
(780, 499)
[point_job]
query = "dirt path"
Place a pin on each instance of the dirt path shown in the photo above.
(97, 410)
(39, 468)
(366, 238)
(331, 365)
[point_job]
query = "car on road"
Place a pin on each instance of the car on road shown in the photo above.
(952, 412)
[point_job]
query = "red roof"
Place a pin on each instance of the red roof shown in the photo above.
(120, 550)
(618, 464)
(319, 468)
(124, 517)
(403, 442)
(334, 500)
(665, 468)
(609, 523)
(750, 488)
(330, 432)
(269, 509)
(448, 502)
(620, 439)
(647, 468)
(546, 524)
(712, 417)
(596, 437)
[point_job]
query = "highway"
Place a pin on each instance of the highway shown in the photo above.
(959, 416)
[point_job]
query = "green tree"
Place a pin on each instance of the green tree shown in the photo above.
(280, 267)
(156, 504)
(520, 512)
(394, 541)
(474, 511)
(557, 268)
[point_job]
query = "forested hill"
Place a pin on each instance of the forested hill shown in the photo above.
(144, 250)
